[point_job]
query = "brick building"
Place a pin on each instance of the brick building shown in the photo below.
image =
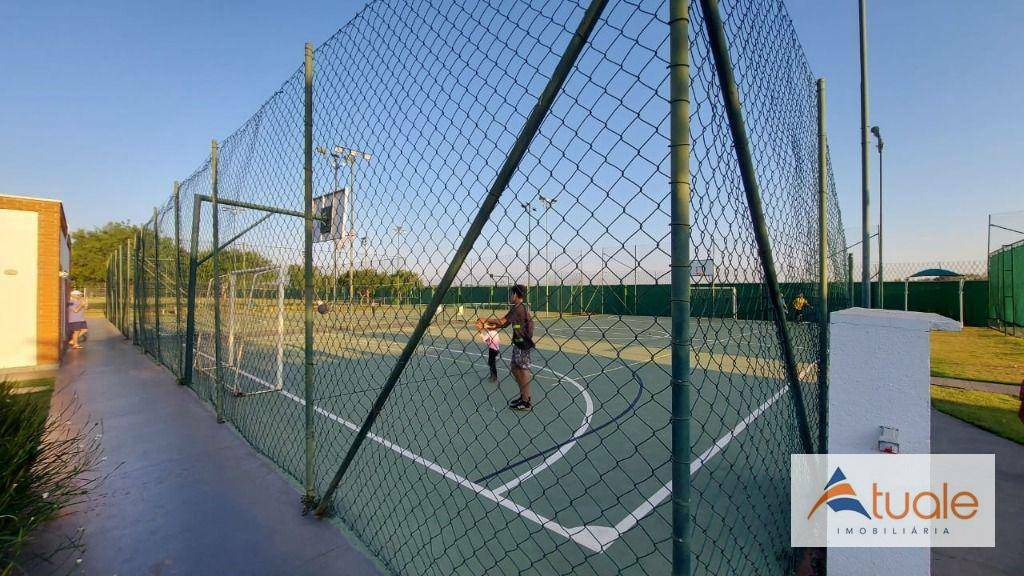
(35, 256)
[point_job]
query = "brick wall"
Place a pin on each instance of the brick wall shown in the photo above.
(50, 347)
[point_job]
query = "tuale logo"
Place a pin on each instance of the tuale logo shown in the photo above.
(840, 496)
(902, 500)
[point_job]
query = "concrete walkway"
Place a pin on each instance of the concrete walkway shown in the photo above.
(952, 436)
(185, 495)
(1012, 390)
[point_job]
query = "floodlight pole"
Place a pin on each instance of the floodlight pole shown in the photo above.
(865, 273)
(350, 156)
(548, 203)
(399, 231)
(528, 208)
(333, 158)
(881, 278)
(350, 235)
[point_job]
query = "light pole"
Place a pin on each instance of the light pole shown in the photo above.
(350, 156)
(548, 203)
(865, 273)
(494, 279)
(333, 160)
(881, 279)
(528, 208)
(399, 230)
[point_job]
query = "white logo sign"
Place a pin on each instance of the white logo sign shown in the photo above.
(887, 500)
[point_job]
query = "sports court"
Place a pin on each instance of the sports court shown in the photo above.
(318, 279)
(600, 383)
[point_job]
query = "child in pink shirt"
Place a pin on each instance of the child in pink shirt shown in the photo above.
(493, 341)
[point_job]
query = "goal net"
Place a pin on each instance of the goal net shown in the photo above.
(253, 331)
(713, 302)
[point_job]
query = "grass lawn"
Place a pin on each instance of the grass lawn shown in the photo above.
(996, 413)
(980, 354)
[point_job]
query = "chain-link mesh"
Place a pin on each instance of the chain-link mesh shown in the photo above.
(1005, 262)
(417, 107)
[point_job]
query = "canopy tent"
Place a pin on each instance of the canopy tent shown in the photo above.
(935, 273)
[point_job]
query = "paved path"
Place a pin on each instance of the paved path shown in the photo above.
(185, 495)
(1011, 389)
(952, 436)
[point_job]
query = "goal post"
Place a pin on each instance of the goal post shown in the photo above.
(714, 302)
(255, 331)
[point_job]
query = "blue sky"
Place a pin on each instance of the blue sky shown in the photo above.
(104, 104)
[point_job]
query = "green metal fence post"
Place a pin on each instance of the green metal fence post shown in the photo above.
(122, 282)
(730, 94)
(218, 380)
(309, 499)
(679, 150)
(501, 180)
(823, 307)
(142, 300)
(849, 278)
(135, 290)
(156, 283)
(177, 276)
(136, 282)
(190, 295)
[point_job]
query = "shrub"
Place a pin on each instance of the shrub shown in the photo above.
(47, 463)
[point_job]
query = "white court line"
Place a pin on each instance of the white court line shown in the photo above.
(625, 365)
(648, 506)
(595, 538)
(563, 450)
(588, 537)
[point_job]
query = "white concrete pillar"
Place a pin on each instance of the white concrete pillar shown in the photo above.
(879, 376)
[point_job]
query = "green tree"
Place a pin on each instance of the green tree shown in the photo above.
(91, 248)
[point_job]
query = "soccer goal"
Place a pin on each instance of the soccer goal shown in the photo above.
(713, 302)
(253, 301)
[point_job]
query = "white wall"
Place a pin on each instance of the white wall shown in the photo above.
(879, 375)
(19, 280)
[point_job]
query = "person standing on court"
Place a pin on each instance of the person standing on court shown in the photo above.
(522, 343)
(799, 304)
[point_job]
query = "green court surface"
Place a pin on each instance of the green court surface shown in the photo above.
(462, 484)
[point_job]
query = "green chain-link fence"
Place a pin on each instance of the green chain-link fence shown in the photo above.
(1006, 272)
(319, 279)
(957, 289)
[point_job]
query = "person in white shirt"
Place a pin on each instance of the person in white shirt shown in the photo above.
(76, 318)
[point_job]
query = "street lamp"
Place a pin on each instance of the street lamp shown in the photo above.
(350, 156)
(881, 280)
(548, 203)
